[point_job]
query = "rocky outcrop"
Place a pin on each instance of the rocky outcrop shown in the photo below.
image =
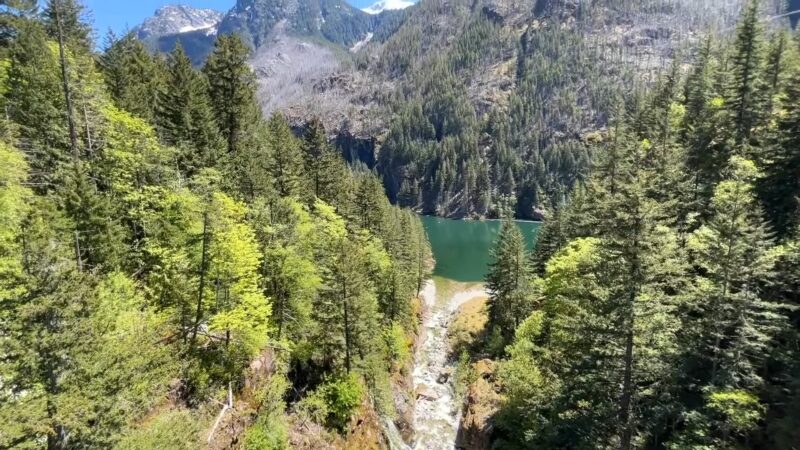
(176, 19)
(364, 431)
(482, 403)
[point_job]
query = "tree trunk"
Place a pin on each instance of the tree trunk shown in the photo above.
(199, 311)
(346, 327)
(73, 135)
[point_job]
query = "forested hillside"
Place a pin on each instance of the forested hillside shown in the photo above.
(165, 250)
(466, 107)
(660, 307)
(499, 102)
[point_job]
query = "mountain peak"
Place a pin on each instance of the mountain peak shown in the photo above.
(175, 19)
(387, 5)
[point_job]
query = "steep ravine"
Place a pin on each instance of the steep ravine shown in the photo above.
(436, 412)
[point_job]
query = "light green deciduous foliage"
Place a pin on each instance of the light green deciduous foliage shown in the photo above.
(14, 202)
(161, 254)
(239, 309)
(286, 233)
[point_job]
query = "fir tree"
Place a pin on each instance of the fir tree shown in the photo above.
(286, 167)
(134, 77)
(744, 98)
(780, 186)
(184, 116)
(14, 14)
(232, 89)
(71, 15)
(508, 282)
(36, 104)
(736, 324)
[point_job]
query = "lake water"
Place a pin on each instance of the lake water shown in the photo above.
(462, 247)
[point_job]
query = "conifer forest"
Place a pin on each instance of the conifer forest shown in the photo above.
(200, 250)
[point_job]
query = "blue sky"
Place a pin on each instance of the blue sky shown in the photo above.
(117, 14)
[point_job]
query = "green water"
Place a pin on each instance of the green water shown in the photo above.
(462, 247)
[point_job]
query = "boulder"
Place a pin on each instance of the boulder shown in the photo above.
(444, 376)
(426, 393)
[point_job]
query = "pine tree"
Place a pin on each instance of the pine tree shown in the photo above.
(370, 205)
(644, 270)
(744, 100)
(36, 104)
(77, 33)
(134, 77)
(184, 117)
(15, 13)
(98, 236)
(699, 130)
(315, 146)
(736, 325)
(508, 282)
(347, 308)
(779, 188)
(286, 167)
(774, 70)
(43, 332)
(232, 89)
(549, 240)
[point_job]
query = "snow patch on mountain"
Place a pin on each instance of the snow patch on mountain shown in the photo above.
(387, 5)
(178, 19)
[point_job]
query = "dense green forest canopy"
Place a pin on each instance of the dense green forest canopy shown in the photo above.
(500, 102)
(166, 249)
(660, 305)
(159, 237)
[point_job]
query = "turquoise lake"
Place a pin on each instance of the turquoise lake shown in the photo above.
(462, 247)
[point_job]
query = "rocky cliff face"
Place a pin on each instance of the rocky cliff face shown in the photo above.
(195, 29)
(332, 20)
(176, 19)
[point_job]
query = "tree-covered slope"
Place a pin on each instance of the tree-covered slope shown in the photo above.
(166, 250)
(661, 302)
(496, 101)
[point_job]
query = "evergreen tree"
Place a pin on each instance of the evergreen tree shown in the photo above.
(370, 204)
(184, 116)
(36, 104)
(13, 15)
(71, 15)
(780, 186)
(134, 77)
(508, 282)
(99, 238)
(699, 131)
(286, 159)
(315, 146)
(232, 89)
(744, 98)
(346, 309)
(736, 324)
(549, 240)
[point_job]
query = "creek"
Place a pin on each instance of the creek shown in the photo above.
(462, 250)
